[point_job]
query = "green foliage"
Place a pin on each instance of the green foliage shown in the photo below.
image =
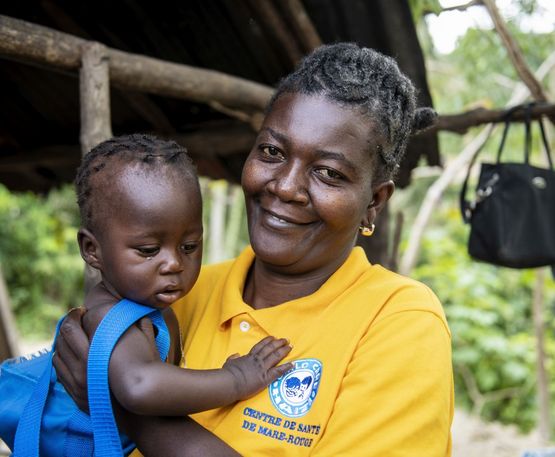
(421, 7)
(488, 310)
(40, 258)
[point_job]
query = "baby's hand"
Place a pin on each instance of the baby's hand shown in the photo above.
(254, 371)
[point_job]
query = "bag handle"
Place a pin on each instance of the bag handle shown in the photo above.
(527, 134)
(466, 206)
(120, 317)
(546, 144)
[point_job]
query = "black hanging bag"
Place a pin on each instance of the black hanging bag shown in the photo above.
(512, 219)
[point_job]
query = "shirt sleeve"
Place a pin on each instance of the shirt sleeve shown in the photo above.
(396, 398)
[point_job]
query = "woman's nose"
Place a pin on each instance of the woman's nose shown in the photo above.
(289, 184)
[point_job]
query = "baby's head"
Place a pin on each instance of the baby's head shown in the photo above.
(141, 218)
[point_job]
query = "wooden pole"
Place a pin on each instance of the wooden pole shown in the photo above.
(8, 333)
(96, 126)
(543, 379)
(20, 40)
(94, 92)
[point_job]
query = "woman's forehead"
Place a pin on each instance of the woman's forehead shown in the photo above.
(317, 120)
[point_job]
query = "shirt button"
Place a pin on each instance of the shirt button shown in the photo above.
(244, 326)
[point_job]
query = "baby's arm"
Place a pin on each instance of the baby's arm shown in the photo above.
(143, 384)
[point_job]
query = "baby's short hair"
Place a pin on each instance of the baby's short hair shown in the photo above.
(136, 149)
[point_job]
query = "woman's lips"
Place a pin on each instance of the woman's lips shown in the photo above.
(277, 220)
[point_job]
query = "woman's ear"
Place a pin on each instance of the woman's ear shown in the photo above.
(380, 195)
(89, 247)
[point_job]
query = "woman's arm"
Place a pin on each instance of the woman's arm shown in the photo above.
(396, 398)
(171, 436)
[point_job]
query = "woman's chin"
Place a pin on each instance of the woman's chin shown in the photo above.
(275, 254)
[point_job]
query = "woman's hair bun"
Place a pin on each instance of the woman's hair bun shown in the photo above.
(423, 118)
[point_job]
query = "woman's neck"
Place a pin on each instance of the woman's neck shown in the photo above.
(265, 287)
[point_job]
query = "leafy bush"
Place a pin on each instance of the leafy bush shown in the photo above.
(40, 257)
(489, 313)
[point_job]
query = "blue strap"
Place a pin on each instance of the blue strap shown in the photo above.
(106, 437)
(115, 323)
(27, 435)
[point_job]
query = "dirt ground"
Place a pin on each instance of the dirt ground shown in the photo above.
(474, 438)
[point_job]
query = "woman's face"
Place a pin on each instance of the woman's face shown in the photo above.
(307, 184)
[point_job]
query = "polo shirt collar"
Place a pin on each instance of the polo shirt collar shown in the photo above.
(232, 294)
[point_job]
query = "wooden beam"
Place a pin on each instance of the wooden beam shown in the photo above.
(215, 139)
(94, 96)
(219, 141)
(301, 24)
(278, 28)
(20, 40)
(460, 123)
(140, 103)
(96, 120)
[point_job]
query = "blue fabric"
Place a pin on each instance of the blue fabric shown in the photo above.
(29, 392)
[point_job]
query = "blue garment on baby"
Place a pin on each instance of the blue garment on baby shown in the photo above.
(37, 414)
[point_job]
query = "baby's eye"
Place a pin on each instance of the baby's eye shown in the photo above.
(148, 251)
(329, 174)
(271, 152)
(189, 248)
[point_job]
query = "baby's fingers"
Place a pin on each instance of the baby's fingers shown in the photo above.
(274, 352)
(280, 370)
(259, 347)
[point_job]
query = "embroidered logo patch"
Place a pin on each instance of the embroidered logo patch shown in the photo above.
(293, 393)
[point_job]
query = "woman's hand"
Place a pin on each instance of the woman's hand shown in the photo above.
(72, 352)
(70, 357)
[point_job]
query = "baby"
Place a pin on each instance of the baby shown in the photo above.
(141, 212)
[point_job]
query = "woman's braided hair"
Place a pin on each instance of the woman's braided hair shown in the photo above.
(363, 78)
(135, 149)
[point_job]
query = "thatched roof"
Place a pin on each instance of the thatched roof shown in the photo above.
(259, 40)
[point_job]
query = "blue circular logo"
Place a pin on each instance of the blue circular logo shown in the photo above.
(293, 393)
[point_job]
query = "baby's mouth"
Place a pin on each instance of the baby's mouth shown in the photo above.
(169, 295)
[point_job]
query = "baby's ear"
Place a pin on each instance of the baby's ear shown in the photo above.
(89, 248)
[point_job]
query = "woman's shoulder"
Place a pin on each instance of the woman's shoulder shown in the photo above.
(399, 293)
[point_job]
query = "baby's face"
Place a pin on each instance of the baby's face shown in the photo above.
(151, 237)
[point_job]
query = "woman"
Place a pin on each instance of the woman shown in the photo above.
(371, 349)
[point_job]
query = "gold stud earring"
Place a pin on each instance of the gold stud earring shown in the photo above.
(367, 231)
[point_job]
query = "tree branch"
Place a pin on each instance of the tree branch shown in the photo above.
(460, 123)
(515, 53)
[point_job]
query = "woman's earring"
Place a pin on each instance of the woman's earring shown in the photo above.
(367, 231)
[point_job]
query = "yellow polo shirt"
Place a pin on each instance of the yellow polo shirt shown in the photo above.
(372, 354)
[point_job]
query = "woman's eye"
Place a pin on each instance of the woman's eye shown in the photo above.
(188, 248)
(271, 152)
(329, 174)
(148, 251)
